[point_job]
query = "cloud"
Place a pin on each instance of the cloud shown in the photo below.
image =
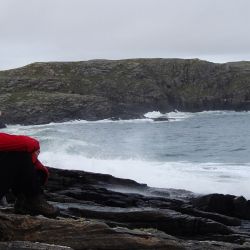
(49, 30)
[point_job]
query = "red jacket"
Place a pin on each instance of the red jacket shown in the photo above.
(24, 144)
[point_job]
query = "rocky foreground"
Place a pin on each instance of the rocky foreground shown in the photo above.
(103, 212)
(120, 89)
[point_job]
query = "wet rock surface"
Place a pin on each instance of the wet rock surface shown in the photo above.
(103, 212)
(26, 245)
(224, 204)
(160, 119)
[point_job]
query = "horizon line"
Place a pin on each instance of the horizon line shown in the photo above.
(123, 59)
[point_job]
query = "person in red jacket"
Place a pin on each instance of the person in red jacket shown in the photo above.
(24, 174)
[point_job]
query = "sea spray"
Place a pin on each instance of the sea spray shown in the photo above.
(203, 152)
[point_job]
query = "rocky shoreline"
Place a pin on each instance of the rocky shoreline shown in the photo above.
(103, 212)
(41, 93)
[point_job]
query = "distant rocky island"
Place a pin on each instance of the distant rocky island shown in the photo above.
(120, 89)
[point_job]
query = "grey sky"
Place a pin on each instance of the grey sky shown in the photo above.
(65, 30)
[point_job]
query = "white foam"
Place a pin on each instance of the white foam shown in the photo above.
(60, 150)
(197, 177)
(18, 128)
(153, 114)
(172, 116)
(179, 116)
(149, 116)
(223, 112)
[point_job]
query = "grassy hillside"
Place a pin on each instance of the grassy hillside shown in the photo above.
(97, 89)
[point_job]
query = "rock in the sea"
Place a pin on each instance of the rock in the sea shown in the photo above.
(160, 119)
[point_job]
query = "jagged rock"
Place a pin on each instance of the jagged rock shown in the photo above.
(160, 119)
(122, 89)
(168, 221)
(122, 202)
(235, 206)
(26, 245)
(101, 212)
(78, 234)
(226, 220)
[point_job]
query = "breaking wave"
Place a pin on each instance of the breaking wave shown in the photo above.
(197, 177)
(203, 152)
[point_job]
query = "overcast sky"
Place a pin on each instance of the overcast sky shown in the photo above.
(73, 30)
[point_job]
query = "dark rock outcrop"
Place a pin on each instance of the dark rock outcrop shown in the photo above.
(26, 245)
(123, 89)
(78, 234)
(160, 119)
(236, 206)
(103, 212)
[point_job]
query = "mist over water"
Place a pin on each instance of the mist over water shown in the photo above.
(202, 152)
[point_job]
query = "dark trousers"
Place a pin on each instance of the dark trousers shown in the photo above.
(18, 173)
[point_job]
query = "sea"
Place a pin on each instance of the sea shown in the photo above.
(204, 152)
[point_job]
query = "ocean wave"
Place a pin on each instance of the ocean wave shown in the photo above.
(18, 127)
(144, 149)
(172, 116)
(180, 116)
(223, 112)
(196, 177)
(149, 117)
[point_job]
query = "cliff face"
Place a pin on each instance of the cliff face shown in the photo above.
(98, 89)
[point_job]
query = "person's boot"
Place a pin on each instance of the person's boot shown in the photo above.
(35, 206)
